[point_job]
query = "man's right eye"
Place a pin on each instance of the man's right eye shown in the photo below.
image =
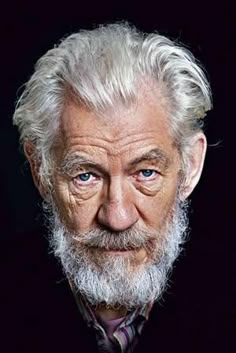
(85, 178)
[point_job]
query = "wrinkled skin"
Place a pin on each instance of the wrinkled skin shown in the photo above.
(118, 169)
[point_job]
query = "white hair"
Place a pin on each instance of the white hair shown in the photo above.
(103, 67)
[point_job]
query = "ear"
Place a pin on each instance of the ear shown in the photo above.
(31, 155)
(195, 164)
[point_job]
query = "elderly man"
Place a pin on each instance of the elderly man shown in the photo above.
(111, 124)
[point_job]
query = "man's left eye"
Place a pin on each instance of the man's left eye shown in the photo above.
(147, 174)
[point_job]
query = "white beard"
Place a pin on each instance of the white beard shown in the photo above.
(117, 280)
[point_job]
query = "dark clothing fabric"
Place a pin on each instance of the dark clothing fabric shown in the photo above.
(117, 335)
(39, 313)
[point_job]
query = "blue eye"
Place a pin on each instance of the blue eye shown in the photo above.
(84, 176)
(147, 173)
(86, 179)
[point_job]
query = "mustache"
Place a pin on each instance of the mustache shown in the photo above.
(131, 239)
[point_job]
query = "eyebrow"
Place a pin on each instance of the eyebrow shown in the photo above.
(76, 160)
(156, 155)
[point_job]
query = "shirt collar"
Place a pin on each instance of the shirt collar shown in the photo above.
(88, 315)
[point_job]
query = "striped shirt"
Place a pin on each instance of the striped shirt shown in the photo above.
(125, 336)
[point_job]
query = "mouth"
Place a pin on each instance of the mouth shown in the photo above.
(115, 250)
(137, 256)
(119, 252)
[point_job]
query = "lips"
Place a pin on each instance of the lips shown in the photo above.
(119, 250)
(114, 250)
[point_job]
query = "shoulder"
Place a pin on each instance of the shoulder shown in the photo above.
(38, 311)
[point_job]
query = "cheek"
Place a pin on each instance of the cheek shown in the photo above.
(156, 210)
(83, 215)
(76, 211)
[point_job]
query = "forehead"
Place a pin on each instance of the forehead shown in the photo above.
(146, 120)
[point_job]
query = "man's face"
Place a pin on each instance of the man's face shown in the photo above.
(116, 171)
(117, 221)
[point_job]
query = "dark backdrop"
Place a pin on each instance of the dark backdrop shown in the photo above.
(205, 274)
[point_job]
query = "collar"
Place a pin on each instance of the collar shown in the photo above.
(142, 313)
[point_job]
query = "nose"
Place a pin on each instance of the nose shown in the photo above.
(118, 211)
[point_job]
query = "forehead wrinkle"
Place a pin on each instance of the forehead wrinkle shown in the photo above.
(111, 147)
(111, 137)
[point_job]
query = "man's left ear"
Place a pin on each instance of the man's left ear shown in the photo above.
(196, 157)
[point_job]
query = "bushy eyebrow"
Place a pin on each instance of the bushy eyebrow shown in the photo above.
(76, 160)
(156, 155)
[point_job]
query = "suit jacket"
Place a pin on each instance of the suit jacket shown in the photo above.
(39, 313)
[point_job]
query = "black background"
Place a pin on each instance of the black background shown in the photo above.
(205, 274)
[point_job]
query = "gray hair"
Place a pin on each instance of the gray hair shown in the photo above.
(103, 67)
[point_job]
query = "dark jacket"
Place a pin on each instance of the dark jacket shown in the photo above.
(39, 313)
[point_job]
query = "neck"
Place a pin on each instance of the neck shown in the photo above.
(110, 313)
(105, 312)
